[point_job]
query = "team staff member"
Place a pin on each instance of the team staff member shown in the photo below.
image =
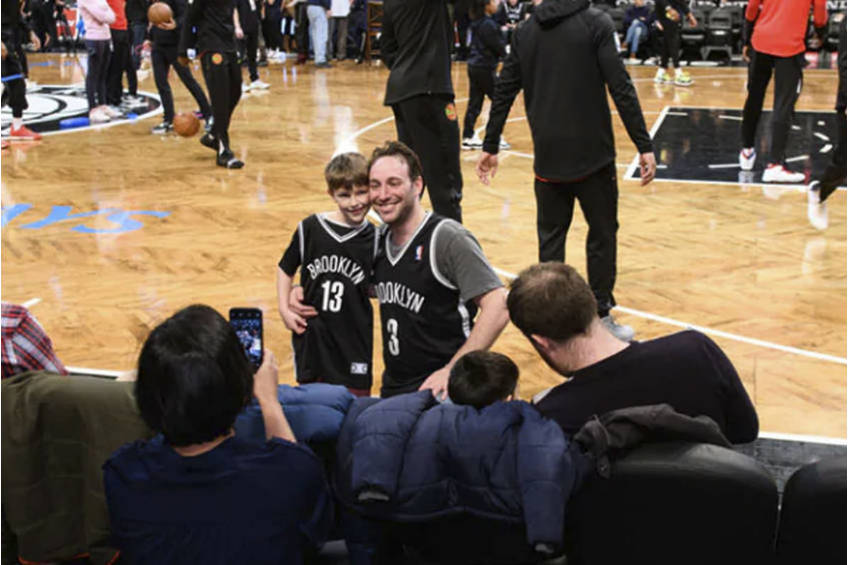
(574, 151)
(14, 89)
(216, 45)
(165, 38)
(415, 45)
(776, 44)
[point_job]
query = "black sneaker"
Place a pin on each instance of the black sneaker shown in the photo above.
(162, 128)
(209, 140)
(228, 160)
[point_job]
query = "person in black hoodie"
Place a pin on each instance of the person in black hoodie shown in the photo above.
(565, 57)
(415, 45)
(216, 47)
(163, 55)
(487, 47)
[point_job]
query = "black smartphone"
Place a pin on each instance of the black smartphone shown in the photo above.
(247, 323)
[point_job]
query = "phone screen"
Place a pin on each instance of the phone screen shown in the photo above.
(247, 323)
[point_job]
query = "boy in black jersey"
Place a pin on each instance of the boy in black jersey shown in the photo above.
(335, 253)
(216, 46)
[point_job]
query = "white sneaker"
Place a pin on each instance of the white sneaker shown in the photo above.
(779, 173)
(472, 143)
(259, 85)
(245, 88)
(98, 116)
(816, 209)
(112, 111)
(503, 144)
(747, 157)
(622, 332)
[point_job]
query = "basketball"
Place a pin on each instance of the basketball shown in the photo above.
(159, 13)
(186, 124)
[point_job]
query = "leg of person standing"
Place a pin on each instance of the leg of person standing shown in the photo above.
(95, 79)
(14, 92)
(759, 75)
(117, 64)
(598, 197)
(429, 125)
(223, 81)
(251, 43)
(341, 38)
(788, 80)
(161, 62)
(554, 210)
(302, 33)
(318, 30)
(138, 32)
(188, 80)
(476, 92)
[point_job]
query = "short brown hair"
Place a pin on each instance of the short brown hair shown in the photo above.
(480, 378)
(401, 151)
(551, 300)
(346, 170)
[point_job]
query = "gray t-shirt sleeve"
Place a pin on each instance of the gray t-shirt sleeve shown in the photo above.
(460, 260)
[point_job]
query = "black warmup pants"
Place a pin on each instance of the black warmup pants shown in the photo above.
(301, 31)
(223, 81)
(14, 91)
(481, 82)
(598, 197)
(138, 30)
(271, 28)
(463, 22)
(670, 46)
(164, 57)
(249, 45)
(834, 175)
(788, 79)
(99, 54)
(428, 124)
(120, 62)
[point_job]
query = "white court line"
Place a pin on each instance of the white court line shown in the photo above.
(94, 372)
(723, 166)
(677, 113)
(31, 302)
(735, 184)
(798, 158)
(826, 149)
(726, 117)
(821, 136)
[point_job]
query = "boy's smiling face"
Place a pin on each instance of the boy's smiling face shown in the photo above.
(353, 203)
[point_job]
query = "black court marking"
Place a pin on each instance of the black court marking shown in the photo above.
(50, 104)
(702, 145)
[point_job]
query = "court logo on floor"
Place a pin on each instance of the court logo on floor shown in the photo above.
(64, 109)
(701, 145)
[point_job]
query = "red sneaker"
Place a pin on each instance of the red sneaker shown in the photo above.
(23, 132)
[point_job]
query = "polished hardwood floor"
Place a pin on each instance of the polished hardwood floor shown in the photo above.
(739, 261)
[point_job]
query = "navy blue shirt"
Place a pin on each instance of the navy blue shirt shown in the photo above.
(242, 502)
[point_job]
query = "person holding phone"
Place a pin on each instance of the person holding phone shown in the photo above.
(197, 492)
(335, 254)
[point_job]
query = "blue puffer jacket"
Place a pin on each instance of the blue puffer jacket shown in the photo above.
(315, 412)
(407, 459)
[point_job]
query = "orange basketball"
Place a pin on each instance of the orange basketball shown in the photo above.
(186, 124)
(159, 13)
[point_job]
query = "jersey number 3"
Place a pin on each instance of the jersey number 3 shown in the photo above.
(392, 330)
(333, 292)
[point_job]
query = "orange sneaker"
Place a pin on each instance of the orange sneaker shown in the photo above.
(23, 132)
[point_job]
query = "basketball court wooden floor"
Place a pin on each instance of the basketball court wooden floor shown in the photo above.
(106, 232)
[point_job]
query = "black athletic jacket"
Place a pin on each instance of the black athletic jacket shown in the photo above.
(415, 46)
(487, 44)
(565, 58)
(214, 22)
(169, 37)
(136, 11)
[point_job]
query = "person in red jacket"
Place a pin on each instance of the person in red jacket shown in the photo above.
(776, 31)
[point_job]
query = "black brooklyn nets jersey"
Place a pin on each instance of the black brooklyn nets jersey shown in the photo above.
(424, 321)
(335, 271)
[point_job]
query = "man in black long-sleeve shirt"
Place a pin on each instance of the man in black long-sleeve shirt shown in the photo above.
(563, 57)
(415, 45)
(554, 307)
(216, 46)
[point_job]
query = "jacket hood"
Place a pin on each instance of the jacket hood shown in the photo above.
(551, 12)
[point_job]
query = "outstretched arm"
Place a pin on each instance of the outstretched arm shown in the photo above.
(265, 391)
